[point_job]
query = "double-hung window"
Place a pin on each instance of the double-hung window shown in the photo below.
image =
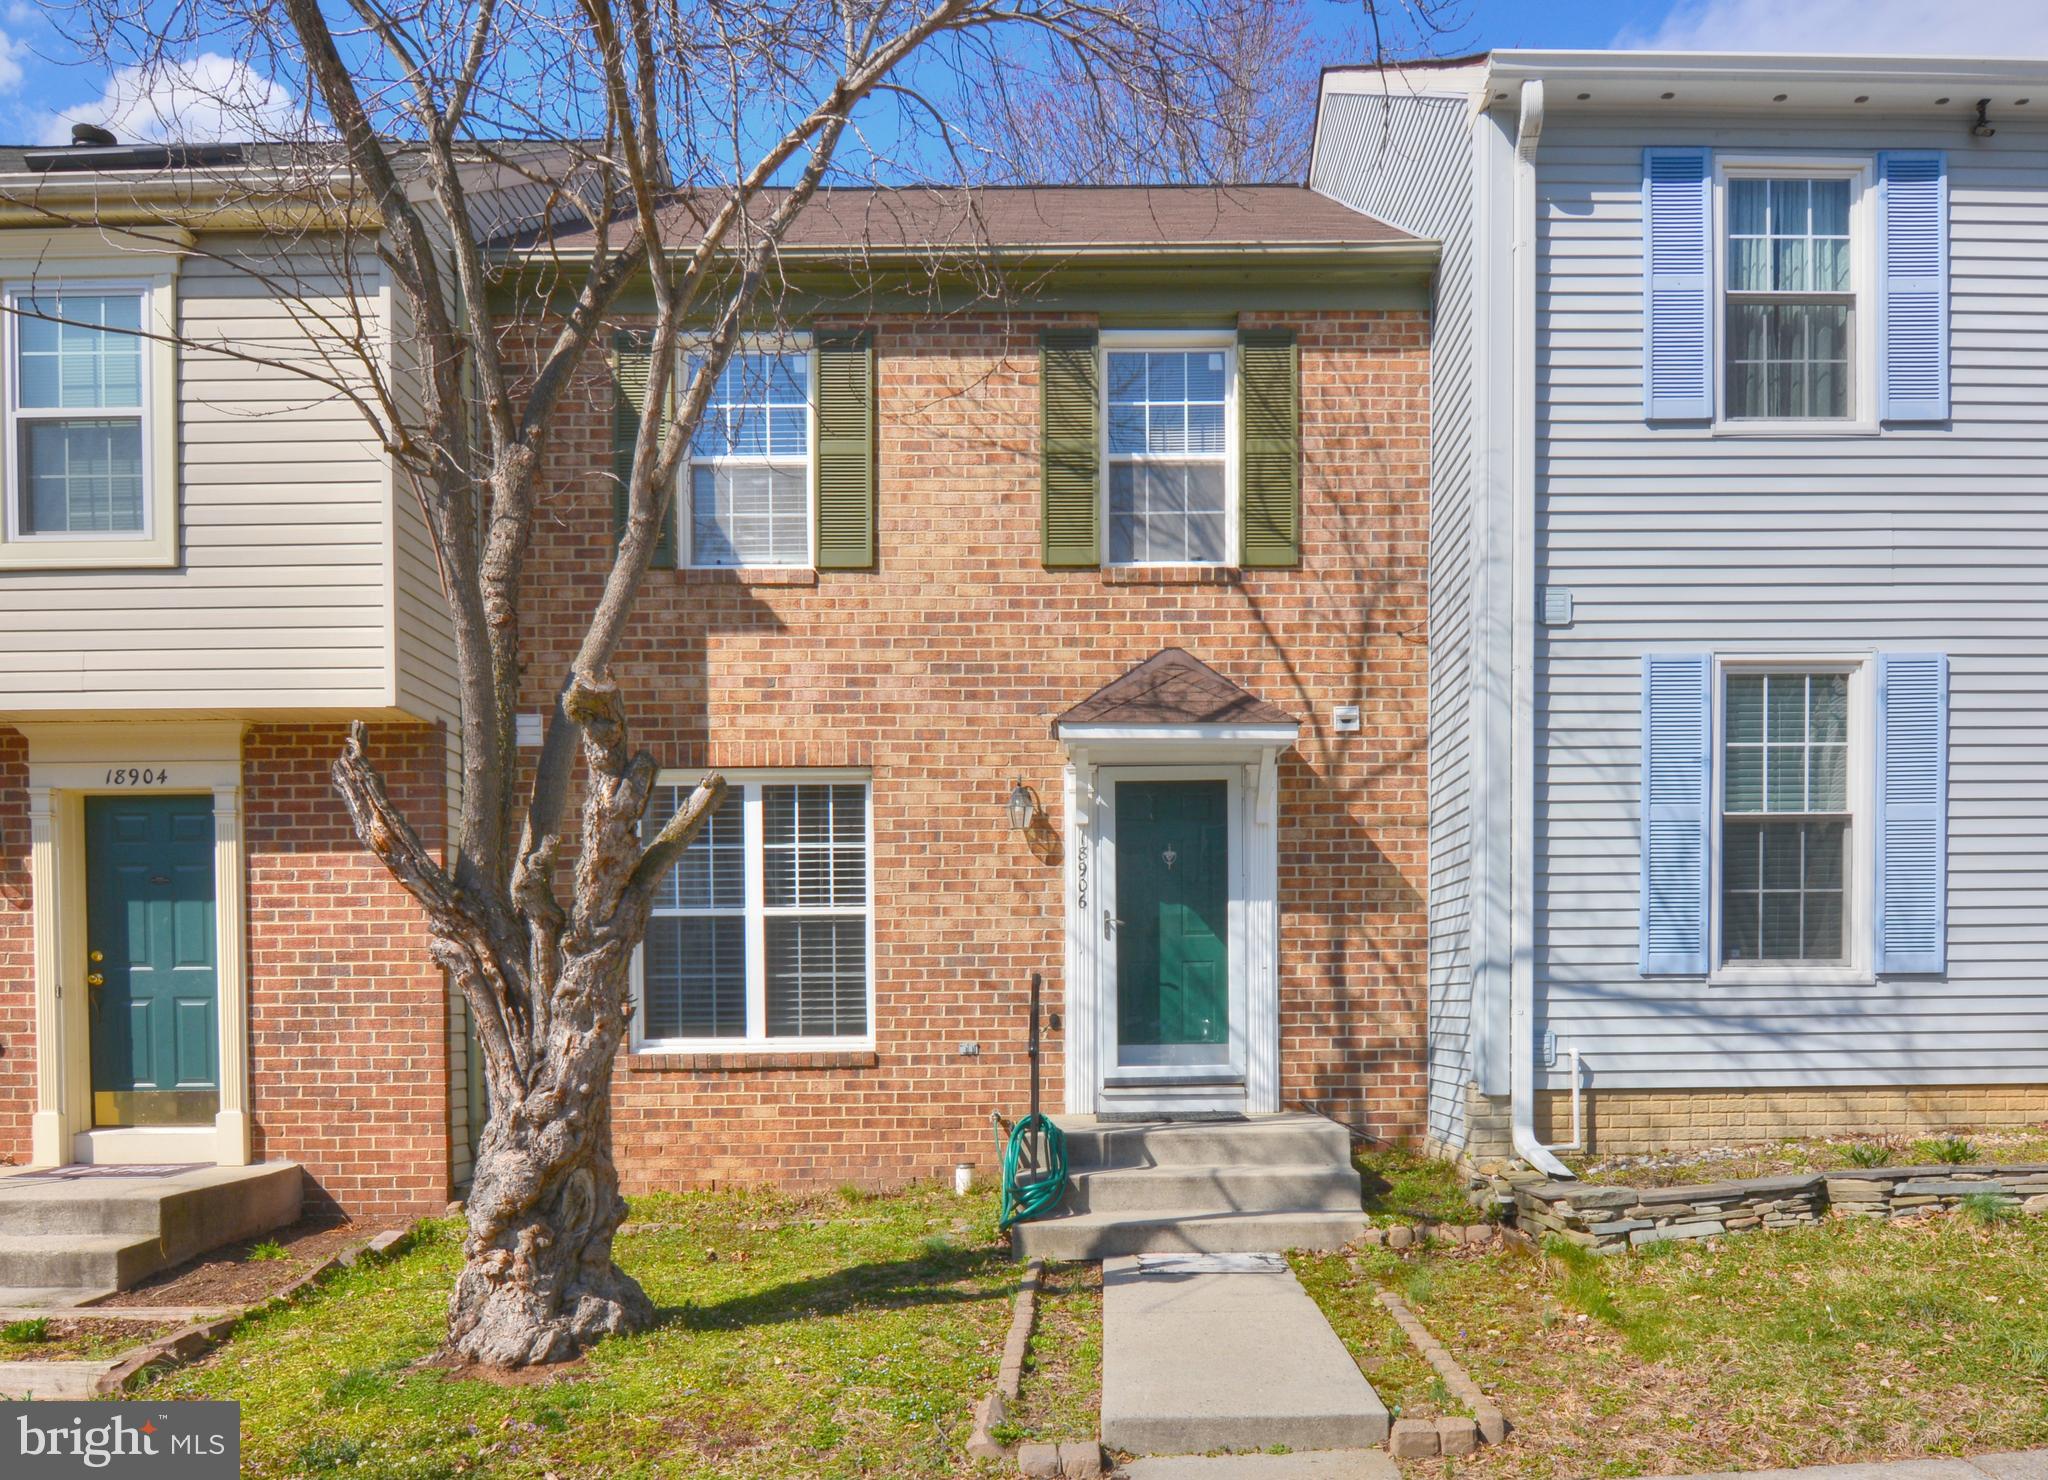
(762, 932)
(78, 403)
(1170, 472)
(1787, 819)
(750, 464)
(1794, 326)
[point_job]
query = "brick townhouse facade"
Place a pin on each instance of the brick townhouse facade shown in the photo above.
(1080, 631)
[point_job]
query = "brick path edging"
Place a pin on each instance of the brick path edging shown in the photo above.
(1073, 1460)
(1417, 1438)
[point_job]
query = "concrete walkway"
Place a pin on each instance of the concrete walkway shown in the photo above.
(1225, 1352)
(2029, 1464)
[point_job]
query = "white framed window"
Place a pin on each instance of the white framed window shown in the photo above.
(1793, 863)
(87, 434)
(1796, 259)
(1169, 458)
(763, 933)
(749, 493)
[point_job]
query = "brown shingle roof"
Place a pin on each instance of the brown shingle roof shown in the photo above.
(1172, 688)
(1050, 217)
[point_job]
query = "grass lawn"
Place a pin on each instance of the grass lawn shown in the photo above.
(1061, 1395)
(1824, 1154)
(1853, 1340)
(843, 1335)
(1403, 1186)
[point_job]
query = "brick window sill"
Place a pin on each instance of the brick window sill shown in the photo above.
(658, 1062)
(1170, 575)
(764, 575)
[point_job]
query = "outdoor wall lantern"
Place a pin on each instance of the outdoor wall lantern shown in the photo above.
(1023, 806)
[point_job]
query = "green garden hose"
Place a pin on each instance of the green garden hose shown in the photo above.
(1027, 1198)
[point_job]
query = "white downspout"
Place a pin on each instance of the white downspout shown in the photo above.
(1522, 700)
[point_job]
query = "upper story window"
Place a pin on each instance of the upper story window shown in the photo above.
(1787, 819)
(750, 464)
(88, 424)
(761, 932)
(1791, 298)
(1169, 483)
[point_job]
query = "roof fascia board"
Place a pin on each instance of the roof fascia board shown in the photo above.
(1507, 67)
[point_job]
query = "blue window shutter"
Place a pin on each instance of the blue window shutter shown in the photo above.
(1678, 752)
(1912, 286)
(1678, 338)
(1912, 813)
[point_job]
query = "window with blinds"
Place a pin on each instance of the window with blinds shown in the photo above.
(761, 931)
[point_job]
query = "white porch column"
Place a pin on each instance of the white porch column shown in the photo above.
(1083, 1066)
(1262, 938)
(49, 1135)
(231, 1122)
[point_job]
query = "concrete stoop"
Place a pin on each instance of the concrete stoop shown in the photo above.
(1257, 1185)
(108, 1228)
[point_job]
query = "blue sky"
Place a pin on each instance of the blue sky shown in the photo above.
(44, 86)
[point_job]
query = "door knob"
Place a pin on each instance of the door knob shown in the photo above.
(95, 957)
(94, 979)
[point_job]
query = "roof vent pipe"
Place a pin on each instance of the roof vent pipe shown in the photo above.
(92, 136)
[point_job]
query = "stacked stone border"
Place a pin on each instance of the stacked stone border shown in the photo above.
(106, 1376)
(1422, 1438)
(1402, 1236)
(1075, 1460)
(1608, 1219)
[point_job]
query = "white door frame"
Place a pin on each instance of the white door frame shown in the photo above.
(1248, 755)
(1232, 1064)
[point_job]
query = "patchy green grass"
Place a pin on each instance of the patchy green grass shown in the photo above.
(1403, 1186)
(836, 1336)
(1344, 1286)
(1061, 1395)
(267, 1249)
(30, 1332)
(1853, 1340)
(74, 1337)
(1822, 1154)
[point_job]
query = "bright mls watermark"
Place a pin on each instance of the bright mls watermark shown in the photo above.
(116, 1441)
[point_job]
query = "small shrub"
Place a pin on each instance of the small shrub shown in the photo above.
(267, 1250)
(1988, 1208)
(27, 1333)
(1870, 1153)
(1948, 1150)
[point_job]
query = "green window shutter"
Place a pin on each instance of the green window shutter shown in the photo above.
(1269, 486)
(632, 360)
(1069, 414)
(844, 483)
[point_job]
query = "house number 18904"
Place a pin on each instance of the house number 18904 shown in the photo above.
(138, 775)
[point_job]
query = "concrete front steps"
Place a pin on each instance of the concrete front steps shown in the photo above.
(1258, 1185)
(107, 1228)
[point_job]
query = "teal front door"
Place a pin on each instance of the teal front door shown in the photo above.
(150, 950)
(1172, 926)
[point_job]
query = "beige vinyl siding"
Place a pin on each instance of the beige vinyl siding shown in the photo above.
(1925, 537)
(1407, 159)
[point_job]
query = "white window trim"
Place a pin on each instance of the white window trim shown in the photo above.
(1861, 855)
(757, 1041)
(157, 543)
(1861, 172)
(685, 499)
(1182, 339)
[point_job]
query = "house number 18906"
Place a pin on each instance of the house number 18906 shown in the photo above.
(138, 775)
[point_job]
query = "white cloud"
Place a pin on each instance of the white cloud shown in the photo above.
(204, 100)
(1998, 28)
(11, 53)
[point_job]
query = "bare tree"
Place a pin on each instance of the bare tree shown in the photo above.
(1243, 113)
(676, 141)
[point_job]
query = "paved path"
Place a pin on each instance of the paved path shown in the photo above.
(2030, 1464)
(1209, 1352)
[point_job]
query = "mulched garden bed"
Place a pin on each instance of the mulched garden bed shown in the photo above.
(230, 1276)
(1843, 1154)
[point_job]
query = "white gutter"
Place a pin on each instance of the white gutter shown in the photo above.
(1522, 698)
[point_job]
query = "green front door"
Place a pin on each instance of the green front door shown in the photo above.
(154, 991)
(1173, 922)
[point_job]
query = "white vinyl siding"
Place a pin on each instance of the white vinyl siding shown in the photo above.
(762, 935)
(1925, 537)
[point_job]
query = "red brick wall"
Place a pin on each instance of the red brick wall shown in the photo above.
(940, 671)
(348, 1017)
(17, 955)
